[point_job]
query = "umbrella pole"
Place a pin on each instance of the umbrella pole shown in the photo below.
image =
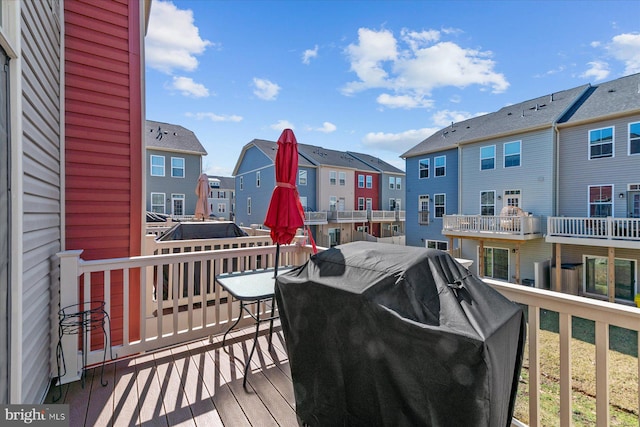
(275, 270)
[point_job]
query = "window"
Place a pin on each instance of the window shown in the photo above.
(157, 165)
(241, 183)
(257, 179)
(392, 183)
(601, 143)
(222, 195)
(369, 181)
(392, 204)
(332, 177)
(177, 167)
(398, 183)
(437, 244)
(597, 277)
(360, 203)
(302, 177)
(360, 181)
(222, 207)
(157, 202)
(439, 205)
(512, 154)
(600, 200)
(488, 157)
(333, 203)
(423, 209)
(487, 203)
(423, 168)
(342, 178)
(496, 263)
(440, 163)
(369, 203)
(634, 138)
(248, 205)
(512, 198)
(177, 203)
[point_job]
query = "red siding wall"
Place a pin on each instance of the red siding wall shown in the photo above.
(104, 137)
(372, 193)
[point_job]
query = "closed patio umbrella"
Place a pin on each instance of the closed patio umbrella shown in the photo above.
(285, 214)
(202, 191)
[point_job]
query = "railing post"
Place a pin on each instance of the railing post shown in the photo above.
(69, 295)
(149, 244)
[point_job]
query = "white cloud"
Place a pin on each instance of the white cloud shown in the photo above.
(215, 117)
(626, 48)
(281, 125)
(397, 142)
(598, 70)
(172, 40)
(308, 54)
(188, 87)
(404, 101)
(445, 117)
(264, 89)
(327, 127)
(424, 64)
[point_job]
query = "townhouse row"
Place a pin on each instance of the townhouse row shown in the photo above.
(552, 181)
(346, 196)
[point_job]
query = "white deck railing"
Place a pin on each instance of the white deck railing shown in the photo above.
(179, 325)
(380, 216)
(347, 216)
(516, 225)
(173, 319)
(595, 228)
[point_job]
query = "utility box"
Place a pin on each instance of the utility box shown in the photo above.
(570, 279)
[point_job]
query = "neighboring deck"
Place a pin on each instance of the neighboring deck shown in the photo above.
(192, 384)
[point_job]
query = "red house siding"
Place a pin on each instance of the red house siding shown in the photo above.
(372, 193)
(103, 144)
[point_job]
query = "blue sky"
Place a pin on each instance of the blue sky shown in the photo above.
(369, 76)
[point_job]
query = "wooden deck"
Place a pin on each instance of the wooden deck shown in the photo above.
(195, 384)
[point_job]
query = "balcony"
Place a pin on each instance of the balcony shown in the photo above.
(604, 232)
(382, 216)
(347, 216)
(508, 227)
(168, 372)
(315, 218)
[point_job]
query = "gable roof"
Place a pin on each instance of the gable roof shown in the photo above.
(376, 163)
(169, 137)
(620, 96)
(327, 157)
(225, 181)
(269, 149)
(525, 116)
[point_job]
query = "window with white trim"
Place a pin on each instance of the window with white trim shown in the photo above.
(601, 143)
(360, 181)
(423, 168)
(369, 203)
(488, 157)
(157, 165)
(333, 180)
(392, 183)
(369, 181)
(440, 165)
(333, 203)
(241, 183)
(437, 244)
(439, 204)
(596, 277)
(257, 179)
(302, 177)
(496, 263)
(177, 167)
(157, 202)
(512, 151)
(222, 207)
(360, 203)
(600, 201)
(398, 183)
(488, 203)
(423, 209)
(342, 178)
(634, 138)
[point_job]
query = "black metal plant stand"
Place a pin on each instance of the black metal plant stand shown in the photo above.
(81, 319)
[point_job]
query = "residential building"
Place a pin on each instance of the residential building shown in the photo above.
(174, 163)
(595, 229)
(72, 160)
(222, 197)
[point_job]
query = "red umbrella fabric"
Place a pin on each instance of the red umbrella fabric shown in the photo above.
(202, 191)
(285, 214)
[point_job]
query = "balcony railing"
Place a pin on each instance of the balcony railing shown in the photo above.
(423, 217)
(117, 278)
(347, 216)
(524, 227)
(315, 218)
(622, 232)
(401, 215)
(382, 216)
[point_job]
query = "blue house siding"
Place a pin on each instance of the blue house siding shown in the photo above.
(309, 190)
(417, 234)
(169, 185)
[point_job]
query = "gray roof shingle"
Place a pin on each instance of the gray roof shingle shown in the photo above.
(169, 137)
(327, 157)
(376, 163)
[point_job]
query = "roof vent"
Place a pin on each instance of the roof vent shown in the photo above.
(611, 90)
(551, 97)
(509, 113)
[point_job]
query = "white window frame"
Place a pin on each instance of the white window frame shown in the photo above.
(183, 168)
(361, 205)
(483, 157)
(257, 179)
(248, 205)
(442, 245)
(241, 183)
(342, 178)
(600, 202)
(222, 207)
(423, 166)
(333, 178)
(333, 203)
(601, 144)
(369, 203)
(153, 157)
(302, 177)
(175, 197)
(635, 140)
(442, 167)
(506, 156)
(398, 183)
(423, 209)
(442, 205)
(488, 204)
(392, 183)
(360, 181)
(493, 249)
(164, 205)
(369, 181)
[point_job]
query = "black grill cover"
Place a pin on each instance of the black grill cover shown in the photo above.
(387, 335)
